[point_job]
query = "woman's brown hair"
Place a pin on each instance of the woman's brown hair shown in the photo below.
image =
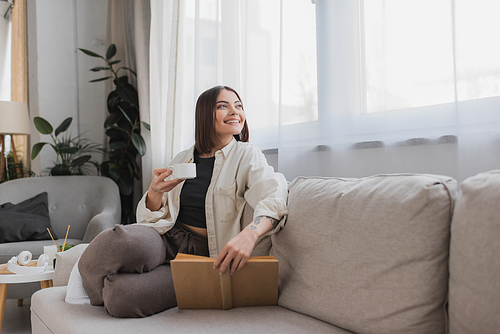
(205, 136)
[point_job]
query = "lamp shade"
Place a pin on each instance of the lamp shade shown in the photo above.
(14, 118)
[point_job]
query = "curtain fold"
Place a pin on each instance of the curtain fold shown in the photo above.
(163, 80)
(128, 27)
(407, 86)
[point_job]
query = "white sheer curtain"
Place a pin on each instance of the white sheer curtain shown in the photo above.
(403, 86)
(340, 87)
(197, 44)
(168, 63)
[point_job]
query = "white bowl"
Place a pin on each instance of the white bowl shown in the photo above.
(23, 270)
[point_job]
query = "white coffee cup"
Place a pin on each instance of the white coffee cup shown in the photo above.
(184, 171)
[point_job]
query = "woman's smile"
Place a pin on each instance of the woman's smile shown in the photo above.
(229, 116)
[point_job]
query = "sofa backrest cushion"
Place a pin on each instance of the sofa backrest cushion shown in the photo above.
(369, 255)
(474, 288)
(65, 261)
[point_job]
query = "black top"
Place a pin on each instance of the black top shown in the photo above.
(194, 191)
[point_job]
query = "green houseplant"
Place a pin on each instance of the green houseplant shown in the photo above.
(15, 170)
(73, 153)
(123, 129)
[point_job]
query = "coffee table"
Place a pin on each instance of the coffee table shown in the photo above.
(44, 278)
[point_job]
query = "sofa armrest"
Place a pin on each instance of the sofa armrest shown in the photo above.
(99, 223)
(65, 261)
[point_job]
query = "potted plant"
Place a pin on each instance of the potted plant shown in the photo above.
(73, 153)
(15, 170)
(123, 127)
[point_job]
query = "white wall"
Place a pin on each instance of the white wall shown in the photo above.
(5, 51)
(59, 73)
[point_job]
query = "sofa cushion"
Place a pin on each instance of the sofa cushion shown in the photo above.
(50, 314)
(369, 255)
(65, 261)
(474, 288)
(26, 221)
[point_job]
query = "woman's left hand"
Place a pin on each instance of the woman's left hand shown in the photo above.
(237, 251)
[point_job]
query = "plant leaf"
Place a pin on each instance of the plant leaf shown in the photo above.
(111, 51)
(134, 163)
(115, 62)
(100, 79)
(115, 134)
(36, 150)
(139, 143)
(115, 155)
(122, 92)
(62, 145)
(80, 160)
(98, 68)
(125, 183)
(128, 93)
(63, 126)
(119, 129)
(90, 53)
(126, 116)
(117, 145)
(70, 150)
(112, 119)
(130, 170)
(43, 126)
(114, 174)
(112, 101)
(121, 80)
(146, 125)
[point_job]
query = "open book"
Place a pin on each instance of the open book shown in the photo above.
(199, 286)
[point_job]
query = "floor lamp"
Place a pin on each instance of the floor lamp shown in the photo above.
(14, 120)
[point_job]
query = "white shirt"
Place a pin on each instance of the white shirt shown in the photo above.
(241, 174)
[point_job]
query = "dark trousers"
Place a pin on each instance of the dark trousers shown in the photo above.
(127, 268)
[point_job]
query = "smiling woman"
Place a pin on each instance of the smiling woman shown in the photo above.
(214, 130)
(196, 216)
(229, 116)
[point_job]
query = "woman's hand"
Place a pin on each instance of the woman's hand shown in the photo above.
(237, 251)
(159, 186)
(239, 248)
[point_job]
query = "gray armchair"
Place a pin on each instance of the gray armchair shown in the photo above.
(90, 204)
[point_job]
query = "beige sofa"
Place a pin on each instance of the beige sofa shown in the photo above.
(383, 254)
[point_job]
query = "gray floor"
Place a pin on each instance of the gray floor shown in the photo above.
(16, 319)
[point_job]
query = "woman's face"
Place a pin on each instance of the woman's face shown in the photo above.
(229, 116)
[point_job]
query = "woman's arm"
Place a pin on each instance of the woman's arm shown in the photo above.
(159, 186)
(239, 248)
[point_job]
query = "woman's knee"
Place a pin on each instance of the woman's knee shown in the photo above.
(130, 248)
(141, 247)
(128, 295)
